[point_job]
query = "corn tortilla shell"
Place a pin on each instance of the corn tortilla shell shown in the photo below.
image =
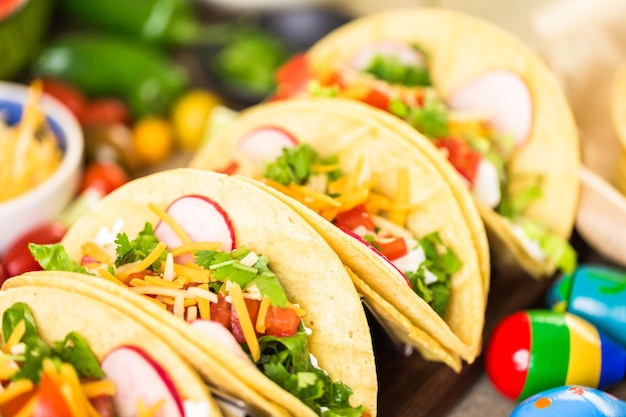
(59, 311)
(461, 47)
(348, 129)
(340, 340)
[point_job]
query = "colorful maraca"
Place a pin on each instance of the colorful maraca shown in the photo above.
(595, 293)
(571, 401)
(535, 350)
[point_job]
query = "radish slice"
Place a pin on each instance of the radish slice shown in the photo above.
(377, 252)
(220, 335)
(504, 97)
(202, 219)
(137, 376)
(265, 144)
(405, 54)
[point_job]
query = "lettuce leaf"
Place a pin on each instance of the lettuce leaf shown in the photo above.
(54, 257)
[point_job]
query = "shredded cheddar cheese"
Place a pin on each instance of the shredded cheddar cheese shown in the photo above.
(96, 252)
(194, 246)
(151, 411)
(399, 216)
(104, 273)
(15, 389)
(245, 322)
(260, 318)
(197, 275)
(182, 235)
(29, 153)
(15, 337)
(154, 280)
(145, 263)
(97, 388)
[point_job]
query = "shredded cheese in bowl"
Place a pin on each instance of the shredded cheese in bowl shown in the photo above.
(29, 151)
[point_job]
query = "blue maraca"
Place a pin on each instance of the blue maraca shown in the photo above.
(571, 401)
(595, 293)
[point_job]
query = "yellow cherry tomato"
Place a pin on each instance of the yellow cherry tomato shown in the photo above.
(190, 114)
(153, 139)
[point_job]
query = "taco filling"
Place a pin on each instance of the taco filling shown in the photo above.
(395, 77)
(213, 280)
(66, 379)
(349, 202)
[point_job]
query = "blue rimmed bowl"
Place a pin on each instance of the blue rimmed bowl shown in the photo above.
(45, 201)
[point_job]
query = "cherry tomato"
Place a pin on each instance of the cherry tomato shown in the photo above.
(18, 259)
(105, 110)
(104, 177)
(153, 139)
(253, 311)
(221, 311)
(51, 402)
(73, 99)
(355, 217)
(461, 156)
(391, 247)
(281, 322)
(190, 115)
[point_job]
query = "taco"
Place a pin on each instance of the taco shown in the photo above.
(483, 98)
(363, 187)
(65, 353)
(618, 118)
(197, 249)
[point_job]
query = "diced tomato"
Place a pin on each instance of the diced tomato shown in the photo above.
(355, 217)
(229, 169)
(392, 247)
(293, 77)
(51, 402)
(377, 98)
(461, 156)
(104, 177)
(253, 312)
(281, 322)
(221, 311)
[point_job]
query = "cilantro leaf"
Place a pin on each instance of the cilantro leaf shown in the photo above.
(129, 251)
(295, 165)
(431, 119)
(54, 257)
(391, 69)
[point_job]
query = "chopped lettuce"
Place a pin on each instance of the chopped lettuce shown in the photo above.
(54, 257)
(441, 262)
(553, 246)
(286, 360)
(73, 350)
(512, 206)
(226, 266)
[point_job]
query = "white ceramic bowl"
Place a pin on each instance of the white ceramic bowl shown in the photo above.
(49, 198)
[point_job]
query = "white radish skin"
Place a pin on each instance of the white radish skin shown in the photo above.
(486, 187)
(403, 52)
(202, 219)
(265, 144)
(137, 376)
(220, 335)
(504, 97)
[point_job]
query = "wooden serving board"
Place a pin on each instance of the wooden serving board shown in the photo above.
(413, 387)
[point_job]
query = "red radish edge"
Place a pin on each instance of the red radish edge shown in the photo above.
(266, 143)
(504, 96)
(405, 54)
(376, 251)
(202, 218)
(119, 364)
(220, 335)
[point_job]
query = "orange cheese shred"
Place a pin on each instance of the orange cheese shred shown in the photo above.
(145, 263)
(243, 316)
(169, 220)
(16, 336)
(260, 318)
